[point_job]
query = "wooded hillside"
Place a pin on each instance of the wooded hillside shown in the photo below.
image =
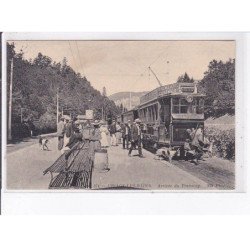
(35, 86)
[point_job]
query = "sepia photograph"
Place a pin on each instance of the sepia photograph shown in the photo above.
(124, 124)
(154, 115)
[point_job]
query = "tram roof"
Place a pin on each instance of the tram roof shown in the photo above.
(175, 89)
(131, 110)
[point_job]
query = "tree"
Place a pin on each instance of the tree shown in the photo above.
(104, 93)
(42, 61)
(218, 84)
(47, 122)
(36, 83)
(121, 107)
(185, 78)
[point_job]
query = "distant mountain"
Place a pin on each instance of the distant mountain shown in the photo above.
(124, 98)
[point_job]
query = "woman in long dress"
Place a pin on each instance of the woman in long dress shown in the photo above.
(104, 135)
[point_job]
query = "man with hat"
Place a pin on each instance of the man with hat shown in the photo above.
(112, 130)
(196, 143)
(125, 135)
(136, 136)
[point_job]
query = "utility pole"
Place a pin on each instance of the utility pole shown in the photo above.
(130, 104)
(21, 115)
(57, 106)
(10, 101)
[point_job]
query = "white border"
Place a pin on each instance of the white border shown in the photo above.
(21, 201)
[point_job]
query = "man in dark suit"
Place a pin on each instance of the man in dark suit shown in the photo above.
(125, 135)
(136, 136)
(112, 131)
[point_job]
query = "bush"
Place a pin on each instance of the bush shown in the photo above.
(47, 123)
(223, 142)
(20, 131)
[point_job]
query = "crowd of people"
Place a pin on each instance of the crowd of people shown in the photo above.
(128, 134)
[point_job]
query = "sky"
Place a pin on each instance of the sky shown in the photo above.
(123, 65)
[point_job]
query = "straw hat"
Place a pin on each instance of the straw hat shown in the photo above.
(96, 122)
(137, 120)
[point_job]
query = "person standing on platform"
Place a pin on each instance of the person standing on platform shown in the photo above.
(125, 135)
(136, 136)
(118, 133)
(112, 130)
(122, 125)
(104, 135)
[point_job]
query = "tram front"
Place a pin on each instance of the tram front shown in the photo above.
(187, 112)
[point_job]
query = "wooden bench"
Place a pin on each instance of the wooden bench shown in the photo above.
(73, 169)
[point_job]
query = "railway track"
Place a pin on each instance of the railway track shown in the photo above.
(213, 174)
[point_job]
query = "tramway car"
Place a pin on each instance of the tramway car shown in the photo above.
(167, 112)
(130, 115)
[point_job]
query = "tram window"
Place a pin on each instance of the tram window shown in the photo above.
(183, 102)
(176, 101)
(193, 107)
(156, 111)
(200, 109)
(184, 109)
(162, 114)
(149, 114)
(176, 105)
(183, 106)
(176, 109)
(153, 113)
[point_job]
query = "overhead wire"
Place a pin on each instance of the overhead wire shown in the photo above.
(73, 56)
(158, 57)
(147, 68)
(79, 55)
